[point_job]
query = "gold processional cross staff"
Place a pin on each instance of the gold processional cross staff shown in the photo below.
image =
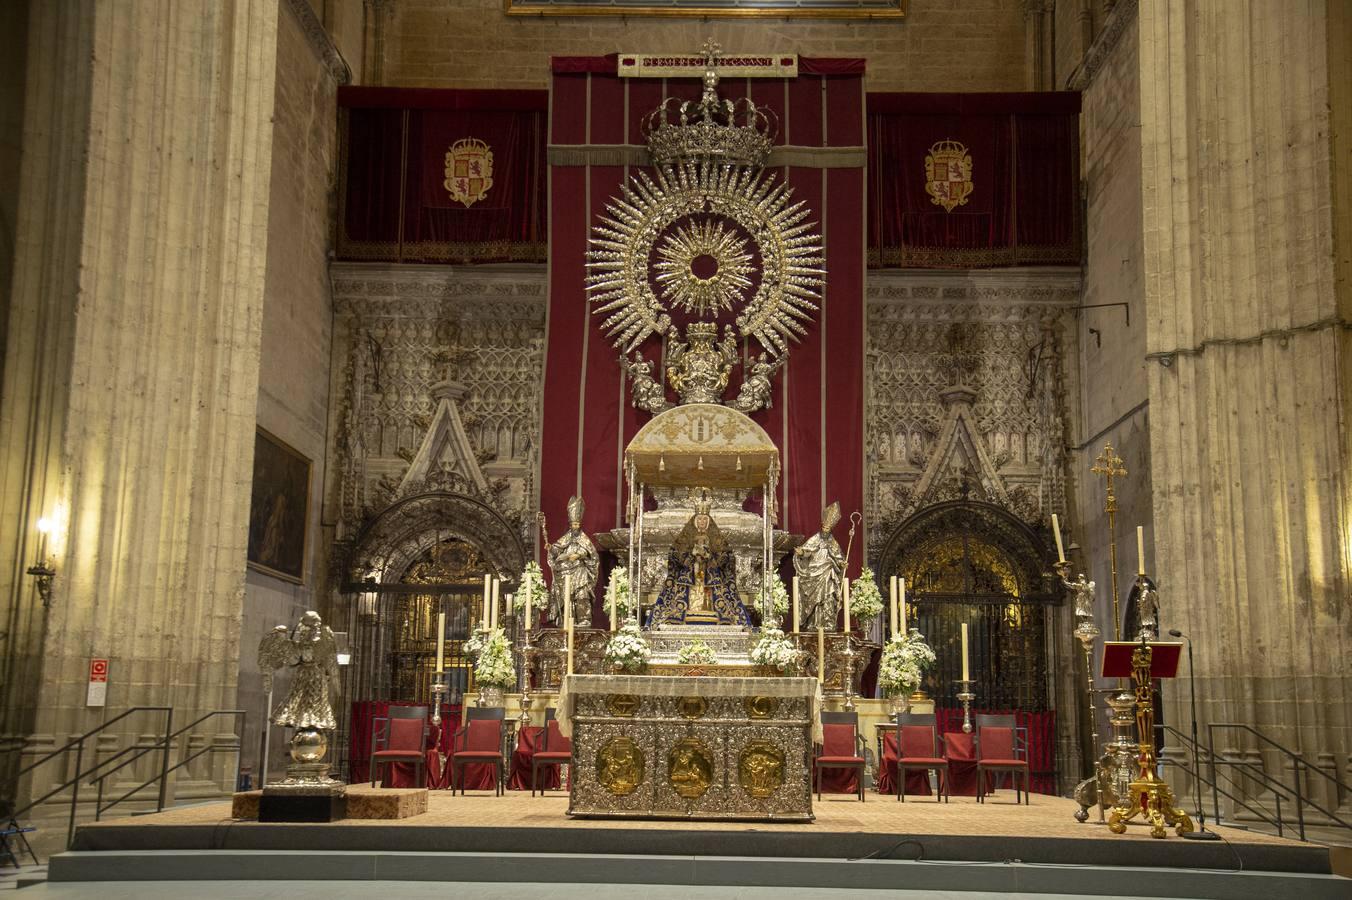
(1109, 465)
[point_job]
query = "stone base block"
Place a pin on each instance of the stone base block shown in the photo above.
(362, 803)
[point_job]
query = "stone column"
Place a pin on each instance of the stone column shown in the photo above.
(1247, 350)
(132, 359)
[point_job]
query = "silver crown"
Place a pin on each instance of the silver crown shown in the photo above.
(734, 132)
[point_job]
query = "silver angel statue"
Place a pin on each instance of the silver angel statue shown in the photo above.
(755, 391)
(1083, 592)
(311, 652)
(647, 392)
(819, 564)
(573, 558)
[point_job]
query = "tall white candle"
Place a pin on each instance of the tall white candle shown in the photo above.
(821, 654)
(441, 641)
(493, 616)
(1056, 531)
(845, 586)
(483, 619)
(614, 616)
(568, 616)
(1140, 549)
(966, 671)
(796, 621)
(892, 601)
(901, 602)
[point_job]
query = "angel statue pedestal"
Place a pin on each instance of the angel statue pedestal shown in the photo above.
(308, 793)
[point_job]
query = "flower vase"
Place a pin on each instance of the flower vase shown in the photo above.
(900, 703)
(491, 695)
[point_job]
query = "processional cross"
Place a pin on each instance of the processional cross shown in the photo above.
(1109, 465)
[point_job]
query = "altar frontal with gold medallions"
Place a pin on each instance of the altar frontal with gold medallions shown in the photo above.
(712, 747)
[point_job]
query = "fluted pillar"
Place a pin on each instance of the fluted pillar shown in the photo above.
(131, 380)
(1248, 347)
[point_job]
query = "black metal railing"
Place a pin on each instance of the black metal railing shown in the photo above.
(1234, 778)
(101, 770)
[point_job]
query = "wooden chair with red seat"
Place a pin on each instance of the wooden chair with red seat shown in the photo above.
(1000, 750)
(555, 750)
(842, 748)
(400, 737)
(918, 747)
(480, 743)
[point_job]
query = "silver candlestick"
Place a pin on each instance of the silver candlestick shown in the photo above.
(527, 654)
(438, 689)
(966, 696)
(849, 655)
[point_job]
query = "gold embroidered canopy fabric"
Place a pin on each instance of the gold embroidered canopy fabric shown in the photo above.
(703, 444)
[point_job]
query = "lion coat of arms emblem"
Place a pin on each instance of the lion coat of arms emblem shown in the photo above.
(948, 173)
(469, 170)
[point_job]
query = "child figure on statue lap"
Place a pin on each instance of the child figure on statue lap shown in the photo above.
(700, 588)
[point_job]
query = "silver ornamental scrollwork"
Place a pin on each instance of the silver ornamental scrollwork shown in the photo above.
(701, 197)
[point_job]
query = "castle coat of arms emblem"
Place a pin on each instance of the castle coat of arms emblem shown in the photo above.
(469, 170)
(948, 173)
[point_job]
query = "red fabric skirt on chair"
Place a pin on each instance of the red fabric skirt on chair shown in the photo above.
(917, 780)
(527, 742)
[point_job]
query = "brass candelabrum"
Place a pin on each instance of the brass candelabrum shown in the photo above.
(1147, 795)
(966, 697)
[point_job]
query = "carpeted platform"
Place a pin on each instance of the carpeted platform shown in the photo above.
(845, 829)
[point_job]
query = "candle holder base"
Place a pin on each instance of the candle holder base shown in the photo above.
(965, 696)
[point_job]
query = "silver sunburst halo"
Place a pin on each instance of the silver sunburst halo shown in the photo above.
(705, 244)
(622, 242)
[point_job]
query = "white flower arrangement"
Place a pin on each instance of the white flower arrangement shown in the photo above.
(904, 661)
(617, 591)
(696, 653)
(775, 651)
(539, 591)
(494, 667)
(628, 649)
(474, 644)
(866, 601)
(774, 600)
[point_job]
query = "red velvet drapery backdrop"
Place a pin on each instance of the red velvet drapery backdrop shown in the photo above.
(392, 201)
(1024, 207)
(817, 414)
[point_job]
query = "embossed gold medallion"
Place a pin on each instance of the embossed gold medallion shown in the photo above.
(692, 707)
(619, 766)
(622, 706)
(690, 768)
(948, 173)
(761, 707)
(760, 769)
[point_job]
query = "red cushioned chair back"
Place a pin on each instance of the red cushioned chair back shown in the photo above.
(996, 743)
(555, 742)
(838, 740)
(484, 734)
(406, 734)
(918, 741)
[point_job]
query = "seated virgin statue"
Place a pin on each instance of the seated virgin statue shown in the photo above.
(701, 585)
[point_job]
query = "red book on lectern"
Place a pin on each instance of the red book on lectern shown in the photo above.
(1163, 661)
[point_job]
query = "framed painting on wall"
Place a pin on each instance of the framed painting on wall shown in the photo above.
(279, 514)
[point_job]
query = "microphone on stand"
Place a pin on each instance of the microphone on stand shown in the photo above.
(1201, 834)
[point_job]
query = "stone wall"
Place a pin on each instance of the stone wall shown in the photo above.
(132, 371)
(957, 45)
(1246, 336)
(297, 326)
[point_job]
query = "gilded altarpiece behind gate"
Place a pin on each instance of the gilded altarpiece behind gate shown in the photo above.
(966, 423)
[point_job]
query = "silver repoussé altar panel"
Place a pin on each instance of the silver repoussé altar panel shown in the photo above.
(666, 747)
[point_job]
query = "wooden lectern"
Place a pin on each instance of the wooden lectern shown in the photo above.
(1150, 797)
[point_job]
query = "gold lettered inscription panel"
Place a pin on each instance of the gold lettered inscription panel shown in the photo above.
(762, 9)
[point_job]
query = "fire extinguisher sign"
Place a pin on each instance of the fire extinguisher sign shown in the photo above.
(98, 683)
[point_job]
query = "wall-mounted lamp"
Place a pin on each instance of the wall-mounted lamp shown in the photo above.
(40, 570)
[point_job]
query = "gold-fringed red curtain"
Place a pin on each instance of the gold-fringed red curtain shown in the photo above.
(449, 176)
(973, 180)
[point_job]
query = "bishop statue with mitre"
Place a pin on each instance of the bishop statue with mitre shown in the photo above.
(819, 564)
(573, 560)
